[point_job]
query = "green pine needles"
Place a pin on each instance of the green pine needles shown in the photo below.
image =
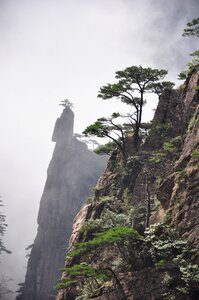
(82, 273)
(117, 234)
(78, 273)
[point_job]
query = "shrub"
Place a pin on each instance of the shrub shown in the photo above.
(155, 159)
(159, 130)
(191, 124)
(160, 264)
(195, 154)
(167, 246)
(169, 147)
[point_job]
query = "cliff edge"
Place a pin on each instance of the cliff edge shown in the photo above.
(138, 238)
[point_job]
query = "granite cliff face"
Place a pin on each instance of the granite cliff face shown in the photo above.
(73, 170)
(158, 186)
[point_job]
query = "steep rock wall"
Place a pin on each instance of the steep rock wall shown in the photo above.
(171, 175)
(72, 171)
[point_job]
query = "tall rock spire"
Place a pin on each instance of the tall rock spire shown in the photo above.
(72, 171)
(66, 121)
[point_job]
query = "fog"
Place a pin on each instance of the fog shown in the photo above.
(56, 49)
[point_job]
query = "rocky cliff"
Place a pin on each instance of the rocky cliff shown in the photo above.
(138, 238)
(73, 170)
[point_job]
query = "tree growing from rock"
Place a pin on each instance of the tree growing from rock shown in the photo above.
(133, 82)
(66, 103)
(117, 236)
(192, 28)
(107, 127)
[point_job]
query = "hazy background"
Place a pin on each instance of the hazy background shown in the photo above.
(56, 49)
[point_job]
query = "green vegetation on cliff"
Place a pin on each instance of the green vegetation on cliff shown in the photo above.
(128, 247)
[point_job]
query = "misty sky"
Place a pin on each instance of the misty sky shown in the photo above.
(56, 49)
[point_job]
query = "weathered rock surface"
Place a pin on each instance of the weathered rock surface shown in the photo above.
(73, 170)
(171, 176)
